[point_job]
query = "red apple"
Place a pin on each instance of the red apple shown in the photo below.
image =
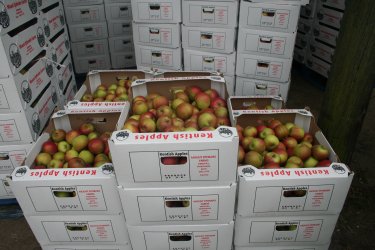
(76, 163)
(308, 137)
(324, 163)
(105, 136)
(272, 157)
(271, 165)
(297, 133)
(130, 127)
(213, 94)
(290, 142)
(281, 132)
(169, 160)
(265, 132)
(164, 111)
(80, 142)
(139, 98)
(176, 102)
(181, 95)
(184, 111)
(55, 164)
(272, 124)
(58, 135)
(86, 128)
(101, 157)
(192, 91)
(163, 123)
(258, 145)
(282, 153)
(70, 154)
(96, 146)
(250, 131)
(260, 128)
(147, 125)
(160, 101)
(302, 151)
(71, 135)
(139, 108)
(320, 152)
(271, 142)
(49, 147)
(253, 158)
(218, 102)
(207, 119)
(202, 100)
(43, 159)
(240, 155)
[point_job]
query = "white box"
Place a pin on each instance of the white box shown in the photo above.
(79, 229)
(301, 247)
(18, 49)
(157, 11)
(318, 65)
(220, 40)
(17, 93)
(210, 13)
(14, 14)
(306, 26)
(88, 32)
(53, 20)
(63, 73)
(292, 192)
(12, 156)
(211, 156)
(86, 64)
(284, 231)
(58, 47)
(25, 127)
(47, 3)
(338, 4)
(121, 44)
(308, 11)
(269, 16)
(268, 43)
(119, 10)
(123, 60)
(88, 247)
(299, 54)
(288, 2)
(85, 14)
(325, 34)
(329, 16)
(160, 35)
(170, 237)
(178, 206)
(242, 102)
(155, 57)
(90, 48)
(81, 2)
(248, 86)
(321, 50)
(68, 94)
(195, 60)
(230, 81)
(119, 28)
(5, 190)
(263, 67)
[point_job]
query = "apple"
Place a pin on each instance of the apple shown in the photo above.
(101, 87)
(296, 160)
(289, 125)
(71, 135)
(58, 135)
(281, 131)
(191, 129)
(121, 98)
(63, 146)
(70, 154)
(191, 124)
(253, 158)
(272, 124)
(93, 135)
(184, 111)
(151, 96)
(49, 147)
(302, 151)
(213, 94)
(245, 142)
(207, 119)
(271, 165)
(271, 142)
(260, 128)
(290, 142)
(291, 165)
(163, 123)
(307, 144)
(177, 122)
(86, 156)
(148, 114)
(181, 95)
(105, 136)
(96, 146)
(66, 165)
(297, 133)
(282, 153)
(99, 93)
(113, 86)
(101, 157)
(86, 128)
(59, 156)
(192, 91)
(147, 125)
(240, 155)
(99, 99)
(139, 98)
(176, 102)
(218, 102)
(87, 98)
(250, 131)
(202, 100)
(139, 108)
(43, 159)
(223, 121)
(320, 152)
(207, 129)
(110, 97)
(120, 90)
(111, 92)
(164, 111)
(265, 132)
(272, 157)
(280, 146)
(308, 138)
(130, 127)
(258, 145)
(221, 112)
(76, 163)
(55, 164)
(169, 160)
(310, 162)
(80, 142)
(160, 101)
(324, 163)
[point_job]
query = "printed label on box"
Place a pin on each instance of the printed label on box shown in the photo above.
(181, 240)
(9, 131)
(9, 160)
(209, 40)
(157, 11)
(269, 17)
(271, 45)
(212, 14)
(265, 68)
(264, 89)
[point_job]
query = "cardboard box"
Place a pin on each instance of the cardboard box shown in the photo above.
(300, 54)
(294, 192)
(119, 28)
(210, 13)
(329, 16)
(287, 2)
(325, 34)
(248, 86)
(81, 2)
(88, 247)
(89, 48)
(18, 92)
(123, 60)
(194, 237)
(88, 32)
(21, 46)
(161, 35)
(157, 11)
(178, 206)
(230, 81)
(302, 40)
(12, 156)
(284, 231)
(211, 155)
(88, 63)
(241, 102)
(68, 94)
(15, 14)
(338, 4)
(195, 60)
(321, 50)
(165, 58)
(269, 16)
(85, 14)
(209, 39)
(120, 44)
(79, 229)
(318, 65)
(59, 46)
(119, 10)
(63, 73)
(26, 126)
(268, 43)
(53, 19)
(320, 247)
(263, 67)
(308, 11)
(5, 190)
(306, 26)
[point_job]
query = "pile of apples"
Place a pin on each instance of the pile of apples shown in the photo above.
(191, 109)
(74, 149)
(116, 92)
(272, 144)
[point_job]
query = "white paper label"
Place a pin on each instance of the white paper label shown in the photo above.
(11, 160)
(9, 131)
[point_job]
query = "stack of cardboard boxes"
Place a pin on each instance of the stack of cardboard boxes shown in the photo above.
(157, 34)
(265, 46)
(209, 35)
(33, 49)
(318, 31)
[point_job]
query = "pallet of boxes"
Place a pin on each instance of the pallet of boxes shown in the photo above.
(67, 187)
(175, 166)
(291, 185)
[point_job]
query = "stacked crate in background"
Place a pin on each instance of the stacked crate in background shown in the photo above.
(89, 35)
(157, 34)
(265, 47)
(318, 31)
(119, 20)
(209, 34)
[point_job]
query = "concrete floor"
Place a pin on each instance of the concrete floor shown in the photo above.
(356, 226)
